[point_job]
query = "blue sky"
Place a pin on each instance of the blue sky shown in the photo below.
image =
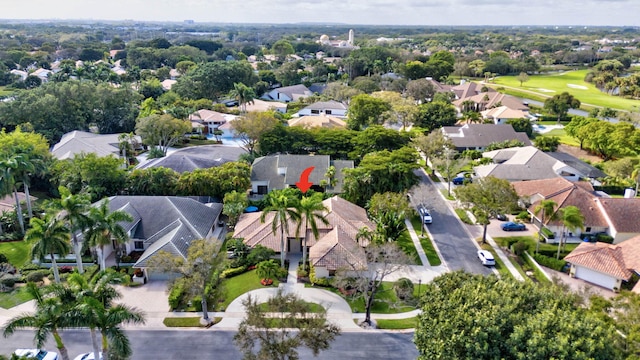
(383, 12)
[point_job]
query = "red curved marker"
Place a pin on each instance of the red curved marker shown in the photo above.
(304, 184)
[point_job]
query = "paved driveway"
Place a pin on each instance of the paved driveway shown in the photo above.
(457, 248)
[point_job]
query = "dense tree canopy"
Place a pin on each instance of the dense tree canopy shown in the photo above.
(88, 173)
(211, 80)
(380, 172)
(478, 317)
(57, 108)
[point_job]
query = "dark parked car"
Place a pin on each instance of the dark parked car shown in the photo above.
(460, 180)
(502, 217)
(513, 226)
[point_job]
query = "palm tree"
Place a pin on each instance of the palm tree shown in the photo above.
(74, 212)
(51, 237)
(8, 172)
(104, 228)
(100, 289)
(244, 95)
(49, 317)
(98, 317)
(572, 219)
(310, 209)
(267, 269)
(547, 211)
(283, 209)
(29, 166)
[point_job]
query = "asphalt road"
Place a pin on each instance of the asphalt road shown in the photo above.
(453, 241)
(214, 344)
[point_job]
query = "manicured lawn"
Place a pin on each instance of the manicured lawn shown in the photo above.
(430, 251)
(397, 324)
(311, 307)
(16, 297)
(407, 246)
(239, 285)
(386, 301)
(446, 195)
(572, 82)
(564, 138)
(185, 321)
(17, 252)
(531, 245)
(427, 245)
(462, 214)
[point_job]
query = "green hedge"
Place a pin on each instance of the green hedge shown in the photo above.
(231, 272)
(175, 295)
(548, 233)
(550, 262)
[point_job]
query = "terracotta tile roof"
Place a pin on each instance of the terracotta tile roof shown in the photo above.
(337, 250)
(564, 193)
(623, 213)
(318, 121)
(631, 252)
(601, 257)
(340, 213)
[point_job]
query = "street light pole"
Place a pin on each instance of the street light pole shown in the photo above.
(419, 283)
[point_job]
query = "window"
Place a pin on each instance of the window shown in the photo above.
(328, 112)
(138, 245)
(315, 111)
(587, 229)
(262, 189)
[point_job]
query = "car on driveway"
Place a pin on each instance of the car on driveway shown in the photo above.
(486, 258)
(502, 217)
(513, 226)
(424, 214)
(460, 180)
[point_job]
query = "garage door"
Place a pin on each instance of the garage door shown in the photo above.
(595, 277)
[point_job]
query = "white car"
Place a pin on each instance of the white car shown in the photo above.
(424, 214)
(87, 356)
(37, 354)
(486, 258)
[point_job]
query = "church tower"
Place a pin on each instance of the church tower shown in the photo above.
(351, 37)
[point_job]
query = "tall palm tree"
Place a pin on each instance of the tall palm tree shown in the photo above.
(92, 313)
(51, 237)
(49, 317)
(310, 209)
(244, 94)
(572, 220)
(29, 166)
(73, 210)
(99, 288)
(8, 174)
(547, 211)
(104, 228)
(283, 209)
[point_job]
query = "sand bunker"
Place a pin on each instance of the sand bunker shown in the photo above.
(574, 86)
(546, 90)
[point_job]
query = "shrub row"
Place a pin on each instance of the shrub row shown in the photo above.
(549, 262)
(231, 272)
(319, 281)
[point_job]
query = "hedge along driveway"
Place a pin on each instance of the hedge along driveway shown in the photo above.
(572, 82)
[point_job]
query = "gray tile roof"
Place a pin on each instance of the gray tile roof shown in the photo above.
(167, 222)
(76, 142)
(574, 162)
(523, 163)
(295, 91)
(481, 135)
(196, 157)
(322, 105)
(266, 169)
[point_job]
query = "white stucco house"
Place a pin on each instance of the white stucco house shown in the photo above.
(332, 108)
